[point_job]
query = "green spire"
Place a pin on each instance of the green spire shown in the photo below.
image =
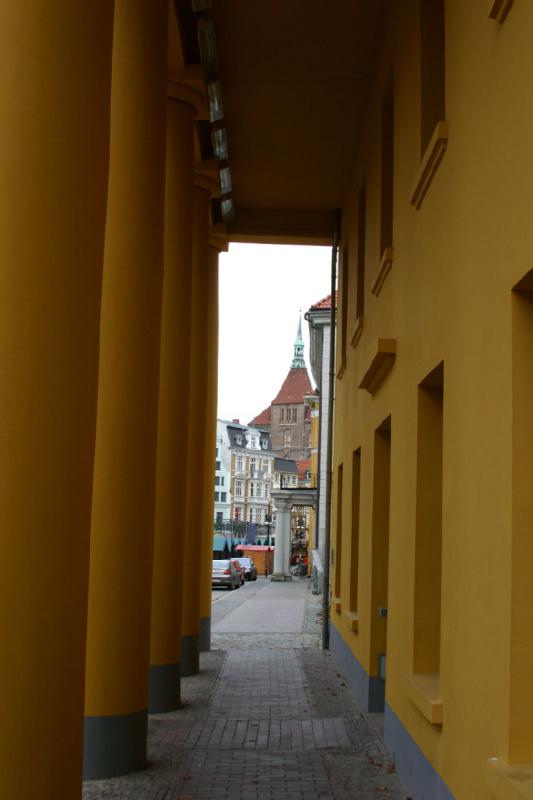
(298, 360)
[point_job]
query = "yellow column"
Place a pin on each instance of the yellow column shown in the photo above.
(54, 107)
(198, 385)
(216, 244)
(165, 655)
(118, 636)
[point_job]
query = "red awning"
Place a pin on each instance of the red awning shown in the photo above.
(253, 547)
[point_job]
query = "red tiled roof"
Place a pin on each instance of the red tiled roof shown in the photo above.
(262, 419)
(325, 303)
(295, 386)
(303, 466)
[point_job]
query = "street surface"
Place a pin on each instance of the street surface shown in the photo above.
(270, 717)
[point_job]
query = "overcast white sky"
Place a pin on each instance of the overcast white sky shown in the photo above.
(261, 289)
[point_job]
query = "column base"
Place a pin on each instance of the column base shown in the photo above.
(190, 656)
(165, 688)
(114, 745)
(205, 634)
(280, 576)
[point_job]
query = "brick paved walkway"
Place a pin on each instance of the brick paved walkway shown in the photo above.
(262, 722)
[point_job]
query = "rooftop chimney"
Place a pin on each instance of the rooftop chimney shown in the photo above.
(237, 421)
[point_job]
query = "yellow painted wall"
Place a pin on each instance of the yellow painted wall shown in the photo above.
(447, 298)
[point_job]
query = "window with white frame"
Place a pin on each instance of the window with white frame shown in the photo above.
(253, 443)
(238, 488)
(240, 464)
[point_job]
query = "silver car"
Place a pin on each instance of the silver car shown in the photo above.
(224, 573)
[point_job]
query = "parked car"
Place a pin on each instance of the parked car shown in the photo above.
(250, 570)
(225, 573)
(239, 568)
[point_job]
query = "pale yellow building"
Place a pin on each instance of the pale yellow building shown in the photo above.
(137, 138)
(432, 610)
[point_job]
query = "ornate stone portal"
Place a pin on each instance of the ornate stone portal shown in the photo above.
(284, 500)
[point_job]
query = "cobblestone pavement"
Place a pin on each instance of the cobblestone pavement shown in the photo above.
(269, 718)
(275, 609)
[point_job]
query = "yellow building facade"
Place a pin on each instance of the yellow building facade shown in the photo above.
(432, 613)
(413, 120)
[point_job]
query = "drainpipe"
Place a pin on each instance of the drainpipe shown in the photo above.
(329, 451)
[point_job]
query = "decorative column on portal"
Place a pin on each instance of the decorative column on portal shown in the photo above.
(284, 500)
(282, 550)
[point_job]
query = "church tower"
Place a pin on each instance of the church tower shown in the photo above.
(288, 418)
(298, 361)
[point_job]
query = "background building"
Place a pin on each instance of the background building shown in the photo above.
(252, 464)
(223, 476)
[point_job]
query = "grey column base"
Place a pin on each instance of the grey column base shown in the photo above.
(280, 576)
(190, 656)
(205, 634)
(165, 688)
(417, 774)
(369, 690)
(114, 745)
